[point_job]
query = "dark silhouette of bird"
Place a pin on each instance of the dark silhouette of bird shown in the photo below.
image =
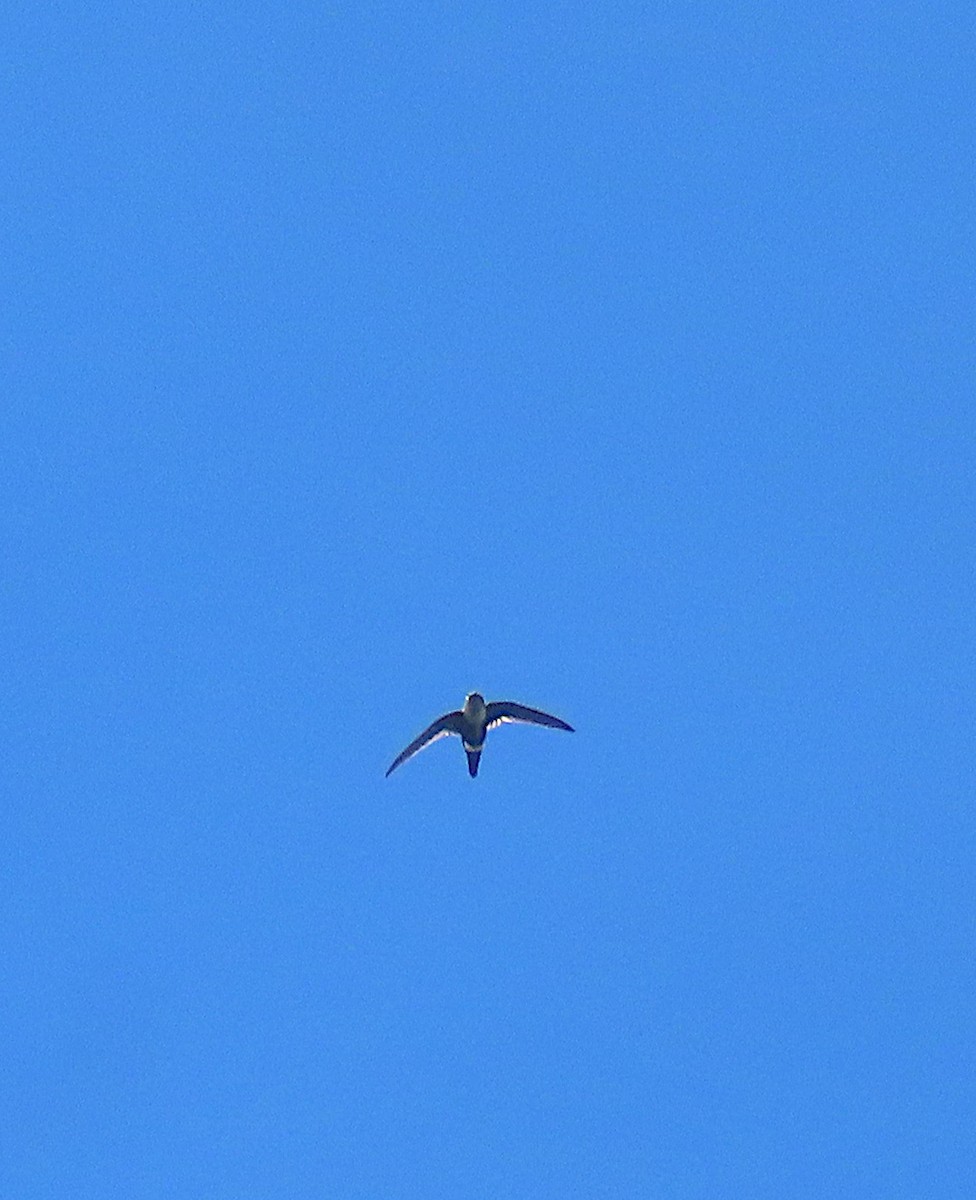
(472, 723)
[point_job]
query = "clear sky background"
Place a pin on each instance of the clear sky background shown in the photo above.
(613, 358)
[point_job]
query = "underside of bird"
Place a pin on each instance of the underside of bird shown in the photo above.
(472, 723)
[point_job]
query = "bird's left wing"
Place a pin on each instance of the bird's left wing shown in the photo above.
(449, 723)
(500, 712)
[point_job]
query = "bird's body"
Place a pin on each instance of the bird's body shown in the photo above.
(472, 723)
(474, 729)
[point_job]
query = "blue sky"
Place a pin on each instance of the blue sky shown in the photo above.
(616, 359)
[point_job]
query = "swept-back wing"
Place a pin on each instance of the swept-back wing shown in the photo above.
(500, 712)
(449, 723)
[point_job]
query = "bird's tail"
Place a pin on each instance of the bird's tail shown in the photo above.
(473, 758)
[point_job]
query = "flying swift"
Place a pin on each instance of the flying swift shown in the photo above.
(472, 723)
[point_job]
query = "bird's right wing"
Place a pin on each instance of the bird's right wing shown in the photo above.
(500, 712)
(449, 723)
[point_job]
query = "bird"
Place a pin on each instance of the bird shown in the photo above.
(472, 723)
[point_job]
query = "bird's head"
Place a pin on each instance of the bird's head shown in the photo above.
(474, 702)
